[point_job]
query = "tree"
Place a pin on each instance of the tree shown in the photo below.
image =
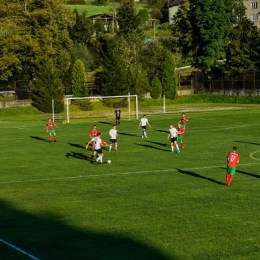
(116, 57)
(47, 87)
(83, 29)
(203, 30)
(79, 79)
(156, 88)
(18, 49)
(152, 57)
(32, 31)
(242, 50)
(169, 77)
(99, 26)
(127, 18)
(144, 15)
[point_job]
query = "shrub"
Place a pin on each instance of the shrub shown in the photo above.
(156, 88)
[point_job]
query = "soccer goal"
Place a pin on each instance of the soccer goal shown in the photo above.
(101, 107)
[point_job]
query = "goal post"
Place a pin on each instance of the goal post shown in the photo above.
(103, 104)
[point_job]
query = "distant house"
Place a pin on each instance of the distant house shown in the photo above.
(253, 11)
(107, 19)
(169, 10)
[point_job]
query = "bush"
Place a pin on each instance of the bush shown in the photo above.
(117, 102)
(215, 98)
(76, 2)
(84, 105)
(156, 88)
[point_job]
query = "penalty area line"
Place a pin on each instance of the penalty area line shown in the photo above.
(119, 173)
(18, 249)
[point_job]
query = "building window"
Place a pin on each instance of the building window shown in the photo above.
(254, 17)
(254, 5)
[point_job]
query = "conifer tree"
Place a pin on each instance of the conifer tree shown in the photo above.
(79, 79)
(47, 87)
(169, 77)
(156, 88)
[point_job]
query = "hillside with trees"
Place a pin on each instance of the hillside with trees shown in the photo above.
(46, 35)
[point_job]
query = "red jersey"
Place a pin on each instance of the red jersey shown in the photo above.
(93, 133)
(184, 120)
(181, 131)
(50, 125)
(233, 159)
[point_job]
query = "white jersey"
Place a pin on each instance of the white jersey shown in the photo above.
(144, 121)
(113, 133)
(97, 142)
(173, 132)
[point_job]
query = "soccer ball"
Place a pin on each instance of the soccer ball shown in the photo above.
(108, 161)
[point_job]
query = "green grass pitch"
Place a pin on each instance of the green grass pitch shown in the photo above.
(146, 204)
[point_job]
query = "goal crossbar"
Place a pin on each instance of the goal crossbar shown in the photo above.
(102, 97)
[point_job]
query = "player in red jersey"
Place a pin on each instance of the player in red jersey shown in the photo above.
(232, 161)
(181, 131)
(184, 119)
(50, 129)
(93, 133)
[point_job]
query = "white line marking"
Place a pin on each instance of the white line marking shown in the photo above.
(18, 249)
(119, 173)
(251, 155)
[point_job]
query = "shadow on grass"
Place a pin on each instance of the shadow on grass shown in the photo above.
(77, 145)
(249, 174)
(157, 143)
(153, 147)
(105, 123)
(75, 155)
(121, 133)
(247, 142)
(193, 174)
(47, 236)
(161, 131)
(39, 138)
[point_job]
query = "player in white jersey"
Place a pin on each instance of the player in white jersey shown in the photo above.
(173, 133)
(144, 122)
(113, 140)
(97, 147)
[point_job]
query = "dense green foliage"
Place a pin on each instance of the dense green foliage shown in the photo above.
(208, 30)
(79, 79)
(203, 32)
(242, 52)
(169, 76)
(216, 98)
(148, 204)
(127, 18)
(82, 30)
(156, 88)
(47, 87)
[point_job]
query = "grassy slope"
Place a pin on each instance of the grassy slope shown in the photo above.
(148, 204)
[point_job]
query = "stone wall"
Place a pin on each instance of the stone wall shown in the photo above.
(16, 103)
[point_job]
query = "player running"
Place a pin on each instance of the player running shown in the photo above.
(50, 129)
(232, 161)
(144, 122)
(93, 133)
(97, 148)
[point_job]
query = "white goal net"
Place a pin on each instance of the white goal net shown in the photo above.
(82, 108)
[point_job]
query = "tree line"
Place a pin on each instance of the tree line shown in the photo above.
(44, 41)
